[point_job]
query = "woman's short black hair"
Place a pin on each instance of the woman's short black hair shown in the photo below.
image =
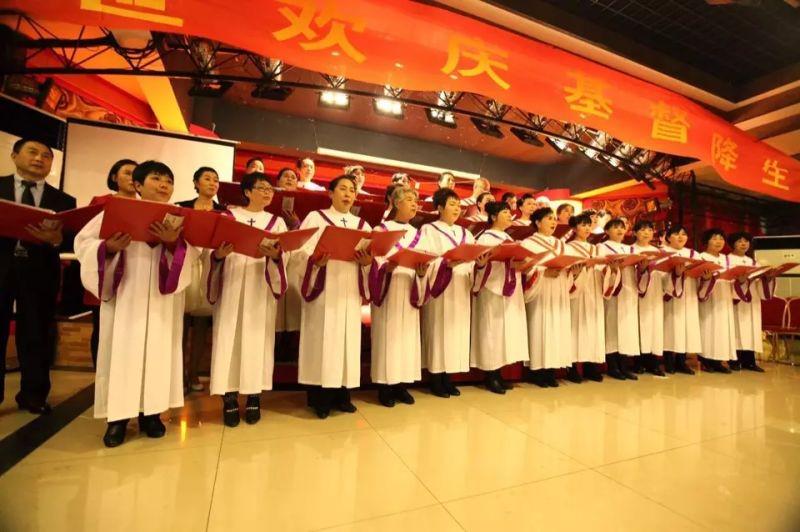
(540, 214)
(507, 196)
(146, 168)
(526, 196)
(199, 173)
(443, 195)
(252, 160)
(708, 234)
(564, 206)
(249, 181)
(733, 238)
(483, 195)
(335, 181)
(111, 182)
(284, 170)
(387, 196)
(643, 224)
(674, 230)
(493, 208)
(299, 162)
(614, 222)
(580, 219)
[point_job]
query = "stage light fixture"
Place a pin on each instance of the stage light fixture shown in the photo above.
(527, 137)
(271, 91)
(389, 105)
(209, 88)
(487, 128)
(334, 99)
(443, 117)
(560, 145)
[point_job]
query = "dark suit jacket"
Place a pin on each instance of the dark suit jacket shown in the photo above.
(189, 204)
(43, 258)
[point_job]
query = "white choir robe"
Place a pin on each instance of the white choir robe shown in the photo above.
(499, 323)
(446, 314)
(587, 308)
(747, 306)
(547, 308)
(520, 222)
(330, 320)
(650, 283)
(140, 351)
(244, 293)
(622, 310)
(288, 313)
(681, 315)
(717, 319)
(397, 297)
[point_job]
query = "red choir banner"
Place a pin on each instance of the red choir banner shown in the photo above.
(427, 48)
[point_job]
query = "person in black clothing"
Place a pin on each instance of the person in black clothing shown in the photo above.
(198, 309)
(30, 275)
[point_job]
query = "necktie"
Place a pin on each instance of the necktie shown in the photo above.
(27, 193)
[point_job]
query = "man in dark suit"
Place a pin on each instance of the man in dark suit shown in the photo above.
(30, 275)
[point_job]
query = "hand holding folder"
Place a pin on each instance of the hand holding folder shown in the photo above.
(135, 216)
(15, 217)
(247, 240)
(736, 272)
(465, 253)
(411, 258)
(701, 268)
(514, 251)
(561, 262)
(341, 243)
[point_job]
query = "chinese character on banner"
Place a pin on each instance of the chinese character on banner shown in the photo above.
(487, 58)
(669, 123)
(587, 98)
(724, 151)
(138, 9)
(775, 173)
(329, 19)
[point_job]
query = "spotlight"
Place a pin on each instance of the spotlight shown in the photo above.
(271, 91)
(334, 99)
(441, 118)
(209, 88)
(487, 128)
(389, 105)
(527, 137)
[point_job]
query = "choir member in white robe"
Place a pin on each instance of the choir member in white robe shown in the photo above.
(547, 303)
(748, 294)
(498, 308)
(651, 302)
(480, 204)
(622, 309)
(140, 353)
(527, 204)
(306, 168)
(480, 187)
(287, 323)
(330, 322)
(586, 305)
(717, 319)
(446, 315)
(446, 180)
(681, 316)
(397, 294)
(244, 292)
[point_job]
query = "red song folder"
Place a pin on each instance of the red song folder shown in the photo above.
(514, 251)
(736, 272)
(384, 241)
(244, 237)
(292, 240)
(341, 243)
(672, 262)
(776, 270)
(411, 258)
(656, 255)
(700, 269)
(14, 217)
(198, 227)
(520, 232)
(465, 252)
(561, 262)
(624, 260)
(135, 216)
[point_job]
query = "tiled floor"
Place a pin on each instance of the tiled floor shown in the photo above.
(713, 452)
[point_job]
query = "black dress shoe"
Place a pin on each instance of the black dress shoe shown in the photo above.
(616, 374)
(346, 406)
(230, 409)
(252, 409)
(321, 412)
(449, 386)
(680, 365)
(573, 375)
(437, 386)
(403, 395)
(493, 384)
(629, 375)
(115, 433)
(754, 367)
(734, 365)
(152, 426)
(386, 395)
(34, 407)
(719, 368)
(540, 378)
(504, 383)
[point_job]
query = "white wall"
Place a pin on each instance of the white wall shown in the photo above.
(92, 148)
